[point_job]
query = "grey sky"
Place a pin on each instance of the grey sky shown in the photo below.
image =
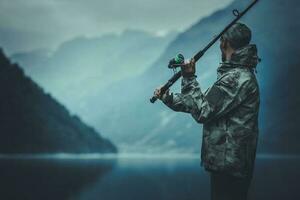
(53, 21)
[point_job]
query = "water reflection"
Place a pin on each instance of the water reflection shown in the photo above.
(135, 178)
(152, 178)
(43, 179)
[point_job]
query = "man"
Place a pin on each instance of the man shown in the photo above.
(229, 114)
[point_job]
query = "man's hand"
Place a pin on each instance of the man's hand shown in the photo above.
(158, 93)
(188, 69)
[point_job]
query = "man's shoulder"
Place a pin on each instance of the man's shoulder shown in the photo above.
(237, 77)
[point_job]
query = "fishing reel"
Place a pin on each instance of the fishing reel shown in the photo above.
(178, 61)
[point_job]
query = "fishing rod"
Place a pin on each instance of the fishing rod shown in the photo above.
(179, 59)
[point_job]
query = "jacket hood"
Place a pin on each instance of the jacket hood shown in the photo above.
(246, 56)
(243, 57)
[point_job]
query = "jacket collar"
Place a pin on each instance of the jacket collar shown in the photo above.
(243, 57)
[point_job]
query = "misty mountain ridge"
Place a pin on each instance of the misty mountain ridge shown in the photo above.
(31, 121)
(79, 67)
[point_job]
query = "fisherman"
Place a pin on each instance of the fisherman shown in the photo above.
(228, 111)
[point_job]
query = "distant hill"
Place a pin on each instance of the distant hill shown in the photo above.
(31, 121)
(79, 67)
(155, 128)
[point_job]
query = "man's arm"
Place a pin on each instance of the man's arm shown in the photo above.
(177, 101)
(189, 86)
(225, 94)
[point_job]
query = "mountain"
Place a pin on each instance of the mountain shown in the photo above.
(73, 72)
(153, 128)
(31, 121)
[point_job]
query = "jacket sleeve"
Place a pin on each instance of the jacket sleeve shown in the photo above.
(226, 94)
(177, 101)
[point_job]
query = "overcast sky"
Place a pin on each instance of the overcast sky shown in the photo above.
(52, 21)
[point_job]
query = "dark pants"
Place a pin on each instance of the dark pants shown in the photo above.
(226, 187)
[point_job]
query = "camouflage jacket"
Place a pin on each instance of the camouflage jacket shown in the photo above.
(228, 111)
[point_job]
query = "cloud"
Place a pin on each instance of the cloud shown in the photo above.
(65, 19)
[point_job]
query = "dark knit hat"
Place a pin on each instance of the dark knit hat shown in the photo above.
(239, 35)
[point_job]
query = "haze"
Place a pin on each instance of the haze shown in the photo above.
(34, 24)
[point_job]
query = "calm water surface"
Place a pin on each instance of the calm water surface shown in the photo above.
(134, 178)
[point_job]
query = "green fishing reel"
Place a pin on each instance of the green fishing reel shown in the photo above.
(176, 62)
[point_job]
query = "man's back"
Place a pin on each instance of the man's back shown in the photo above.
(229, 112)
(229, 140)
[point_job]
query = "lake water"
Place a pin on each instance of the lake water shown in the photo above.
(134, 177)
